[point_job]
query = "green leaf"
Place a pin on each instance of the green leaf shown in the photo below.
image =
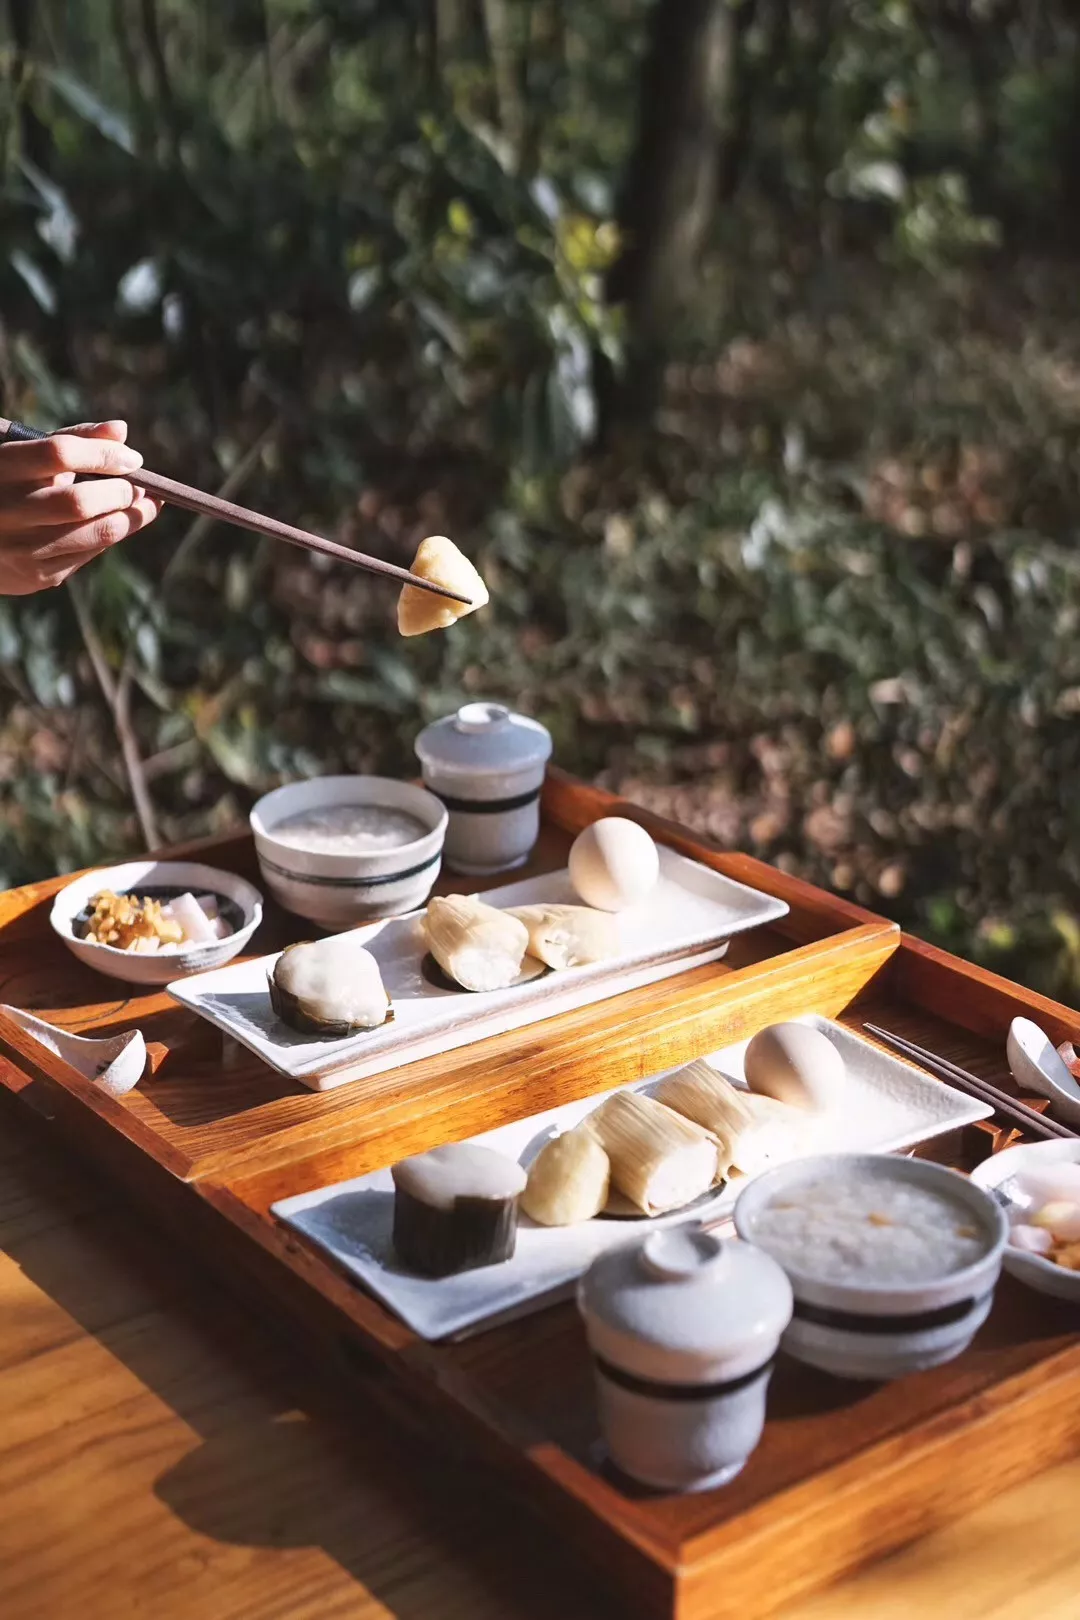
(236, 754)
(363, 285)
(396, 674)
(82, 100)
(41, 288)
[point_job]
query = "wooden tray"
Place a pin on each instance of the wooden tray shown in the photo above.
(843, 1473)
(197, 1119)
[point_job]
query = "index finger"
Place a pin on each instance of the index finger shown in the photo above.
(29, 461)
(116, 428)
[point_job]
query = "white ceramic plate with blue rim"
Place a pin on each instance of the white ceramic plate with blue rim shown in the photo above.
(883, 1106)
(688, 919)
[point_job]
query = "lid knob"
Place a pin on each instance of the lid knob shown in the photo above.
(479, 717)
(681, 1253)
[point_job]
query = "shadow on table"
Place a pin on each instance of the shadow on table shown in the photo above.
(280, 1461)
(429, 1540)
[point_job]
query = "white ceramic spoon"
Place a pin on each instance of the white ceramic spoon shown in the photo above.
(1035, 1065)
(115, 1063)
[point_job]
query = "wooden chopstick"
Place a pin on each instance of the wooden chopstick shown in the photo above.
(1027, 1119)
(190, 499)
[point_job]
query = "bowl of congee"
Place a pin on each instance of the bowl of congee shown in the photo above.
(892, 1261)
(344, 850)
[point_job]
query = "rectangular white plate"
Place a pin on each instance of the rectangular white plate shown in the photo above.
(686, 920)
(885, 1105)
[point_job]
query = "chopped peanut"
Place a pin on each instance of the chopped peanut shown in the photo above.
(128, 923)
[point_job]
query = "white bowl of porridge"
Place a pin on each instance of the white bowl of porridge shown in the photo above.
(893, 1262)
(342, 850)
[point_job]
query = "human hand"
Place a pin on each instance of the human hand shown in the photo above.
(49, 524)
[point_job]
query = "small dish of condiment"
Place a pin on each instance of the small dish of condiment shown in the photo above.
(343, 850)
(1038, 1186)
(152, 922)
(893, 1261)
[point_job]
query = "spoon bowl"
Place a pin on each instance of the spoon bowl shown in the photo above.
(114, 1063)
(1036, 1066)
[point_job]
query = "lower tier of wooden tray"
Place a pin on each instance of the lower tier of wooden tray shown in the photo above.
(844, 1472)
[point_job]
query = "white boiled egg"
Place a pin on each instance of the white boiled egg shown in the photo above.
(613, 864)
(796, 1064)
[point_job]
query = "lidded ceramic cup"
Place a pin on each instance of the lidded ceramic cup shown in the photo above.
(683, 1329)
(487, 767)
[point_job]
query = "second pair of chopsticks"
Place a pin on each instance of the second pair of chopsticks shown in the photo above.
(190, 499)
(1018, 1113)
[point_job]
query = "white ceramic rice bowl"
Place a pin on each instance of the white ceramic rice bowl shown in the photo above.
(857, 1330)
(136, 877)
(344, 890)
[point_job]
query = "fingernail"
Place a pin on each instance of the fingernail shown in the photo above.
(126, 460)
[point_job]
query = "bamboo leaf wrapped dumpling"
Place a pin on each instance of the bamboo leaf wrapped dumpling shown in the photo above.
(568, 936)
(659, 1160)
(480, 947)
(753, 1132)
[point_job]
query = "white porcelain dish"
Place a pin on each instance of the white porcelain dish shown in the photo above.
(883, 1330)
(146, 877)
(687, 919)
(883, 1105)
(341, 890)
(1038, 1273)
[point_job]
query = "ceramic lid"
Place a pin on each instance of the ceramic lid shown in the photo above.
(685, 1307)
(484, 739)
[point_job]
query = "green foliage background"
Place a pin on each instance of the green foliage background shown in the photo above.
(349, 257)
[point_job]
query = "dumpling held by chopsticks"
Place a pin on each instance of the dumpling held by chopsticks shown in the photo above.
(440, 561)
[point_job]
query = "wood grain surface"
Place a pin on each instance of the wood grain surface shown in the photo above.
(161, 1455)
(844, 1472)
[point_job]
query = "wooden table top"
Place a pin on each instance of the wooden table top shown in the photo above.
(161, 1453)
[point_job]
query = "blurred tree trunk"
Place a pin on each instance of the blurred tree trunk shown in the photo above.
(506, 41)
(824, 24)
(449, 30)
(1069, 160)
(735, 147)
(686, 112)
(34, 138)
(120, 22)
(159, 74)
(542, 76)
